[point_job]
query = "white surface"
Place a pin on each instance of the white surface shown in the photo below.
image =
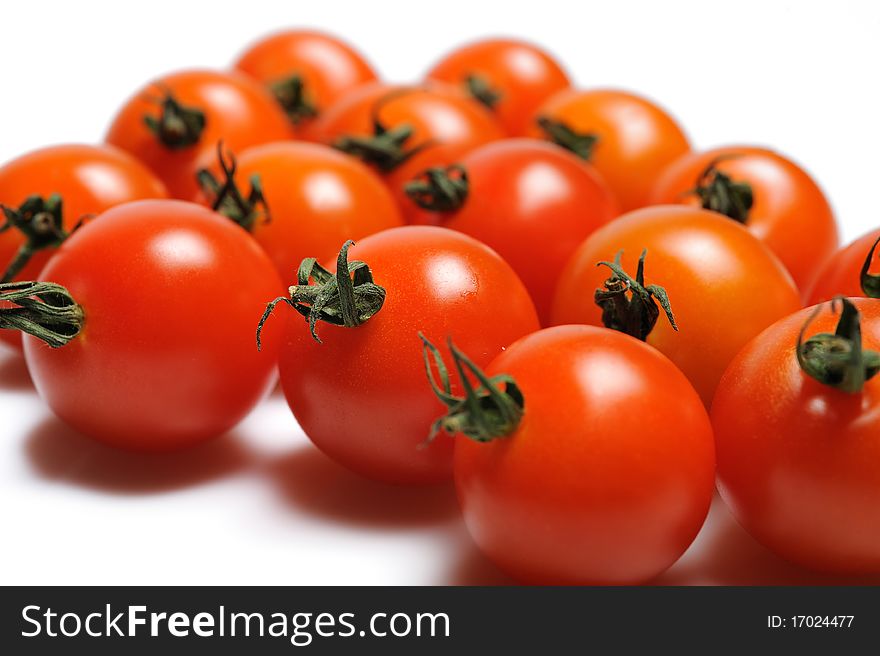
(260, 506)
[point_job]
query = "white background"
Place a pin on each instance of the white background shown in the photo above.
(260, 506)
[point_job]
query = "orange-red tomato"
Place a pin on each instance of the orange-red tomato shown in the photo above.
(724, 285)
(433, 117)
(788, 211)
(87, 179)
(233, 108)
(509, 76)
(532, 202)
(797, 459)
(629, 139)
(317, 198)
(607, 478)
(842, 273)
(166, 357)
(306, 70)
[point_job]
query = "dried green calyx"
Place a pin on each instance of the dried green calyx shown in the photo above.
(482, 91)
(581, 144)
(720, 193)
(177, 126)
(870, 281)
(439, 189)
(43, 309)
(227, 199)
(291, 95)
(41, 222)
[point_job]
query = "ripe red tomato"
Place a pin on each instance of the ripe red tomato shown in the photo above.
(771, 195)
(166, 358)
(842, 273)
(606, 475)
(510, 77)
(797, 458)
(174, 123)
(360, 395)
(411, 122)
(307, 71)
(312, 199)
(531, 201)
(723, 284)
(86, 180)
(627, 138)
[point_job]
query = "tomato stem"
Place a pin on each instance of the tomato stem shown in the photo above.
(838, 360)
(718, 192)
(291, 95)
(177, 126)
(227, 198)
(40, 221)
(637, 314)
(45, 310)
(347, 298)
(870, 282)
(579, 143)
(483, 413)
(439, 189)
(386, 148)
(481, 90)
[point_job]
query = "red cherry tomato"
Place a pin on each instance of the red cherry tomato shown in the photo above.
(412, 122)
(627, 138)
(531, 201)
(775, 199)
(307, 71)
(86, 181)
(797, 458)
(361, 395)
(842, 273)
(723, 284)
(166, 357)
(313, 199)
(607, 477)
(174, 123)
(510, 77)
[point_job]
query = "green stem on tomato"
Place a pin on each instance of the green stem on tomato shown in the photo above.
(581, 144)
(720, 193)
(227, 199)
(439, 189)
(870, 282)
(291, 95)
(482, 91)
(177, 126)
(43, 309)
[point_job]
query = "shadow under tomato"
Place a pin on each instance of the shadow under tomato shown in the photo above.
(313, 483)
(730, 556)
(59, 453)
(14, 375)
(473, 568)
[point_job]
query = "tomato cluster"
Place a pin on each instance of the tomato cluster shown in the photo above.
(489, 276)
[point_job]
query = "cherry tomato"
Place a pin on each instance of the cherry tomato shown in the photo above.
(775, 199)
(797, 458)
(627, 138)
(307, 71)
(510, 77)
(842, 273)
(531, 201)
(84, 181)
(393, 127)
(361, 395)
(723, 284)
(606, 474)
(312, 199)
(174, 123)
(166, 357)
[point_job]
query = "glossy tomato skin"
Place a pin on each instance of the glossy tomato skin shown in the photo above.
(610, 474)
(166, 358)
(797, 460)
(89, 179)
(362, 396)
(841, 273)
(328, 67)
(522, 73)
(724, 285)
(636, 138)
(238, 111)
(317, 198)
(789, 213)
(534, 203)
(440, 115)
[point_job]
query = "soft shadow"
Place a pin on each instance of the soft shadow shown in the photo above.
(473, 568)
(731, 556)
(14, 375)
(313, 483)
(60, 454)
